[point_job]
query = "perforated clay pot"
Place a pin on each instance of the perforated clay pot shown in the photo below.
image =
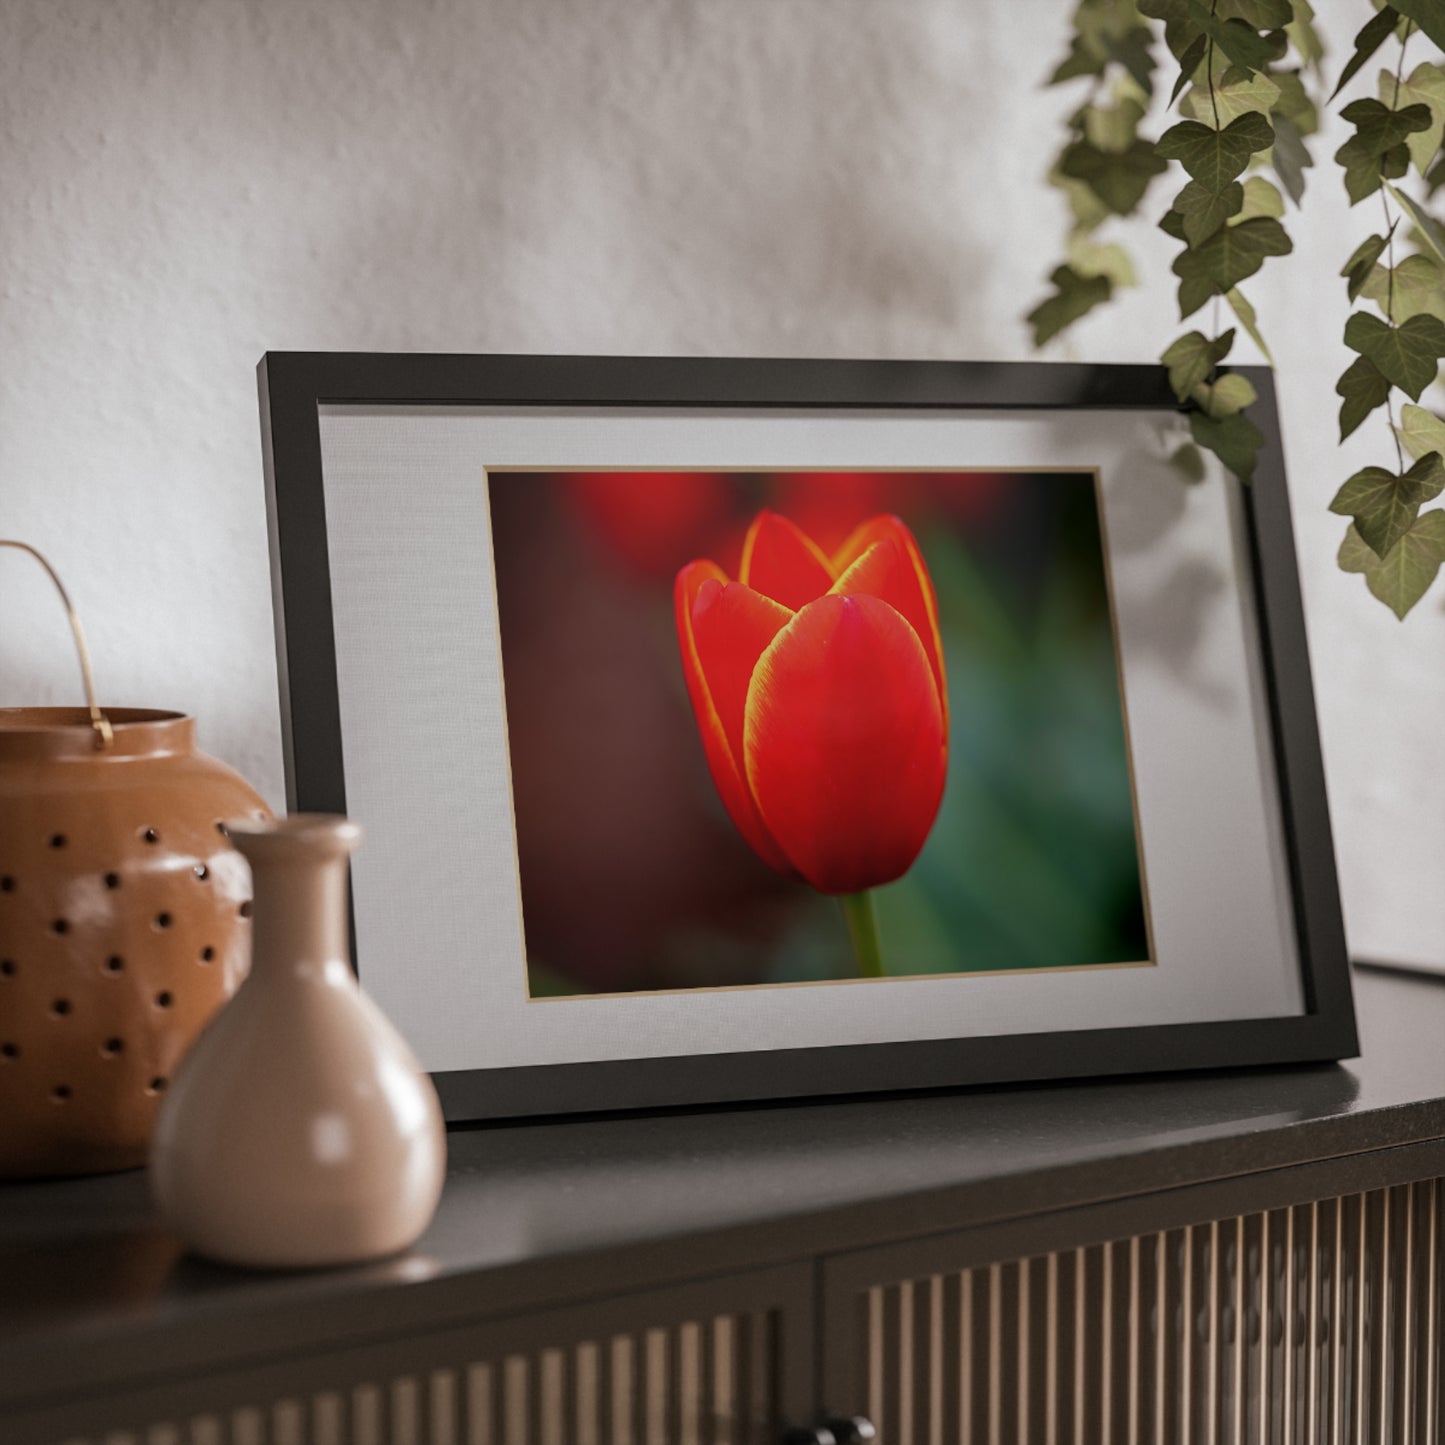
(124, 915)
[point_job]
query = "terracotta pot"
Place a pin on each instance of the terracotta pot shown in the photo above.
(123, 927)
(301, 1130)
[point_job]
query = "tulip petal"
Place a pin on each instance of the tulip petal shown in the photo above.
(731, 626)
(783, 562)
(882, 559)
(724, 759)
(844, 743)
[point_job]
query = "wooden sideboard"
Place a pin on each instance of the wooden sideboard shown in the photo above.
(1243, 1256)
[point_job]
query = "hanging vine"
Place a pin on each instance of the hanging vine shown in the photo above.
(1241, 69)
(1397, 546)
(1243, 108)
(1106, 166)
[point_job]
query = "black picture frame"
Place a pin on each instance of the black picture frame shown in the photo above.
(294, 386)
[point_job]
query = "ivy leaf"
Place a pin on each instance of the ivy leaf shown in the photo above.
(1378, 128)
(1239, 92)
(1134, 51)
(1294, 101)
(1088, 211)
(1363, 388)
(1262, 14)
(1303, 35)
(1420, 431)
(1192, 357)
(1104, 30)
(1216, 157)
(1239, 40)
(1377, 149)
(1384, 506)
(1291, 158)
(1172, 224)
(1088, 53)
(1425, 223)
(1429, 15)
(1407, 355)
(1090, 258)
(1374, 34)
(1189, 62)
(1235, 440)
(1181, 26)
(1225, 259)
(1118, 178)
(1363, 174)
(1435, 176)
(1082, 59)
(1260, 199)
(1113, 127)
(1403, 577)
(1226, 396)
(1362, 261)
(1418, 290)
(1204, 212)
(1426, 86)
(1075, 296)
(1242, 309)
(1355, 554)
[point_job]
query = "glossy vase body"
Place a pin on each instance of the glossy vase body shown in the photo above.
(124, 925)
(300, 1130)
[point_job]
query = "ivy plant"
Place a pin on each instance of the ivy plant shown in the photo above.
(1106, 165)
(1395, 539)
(1240, 86)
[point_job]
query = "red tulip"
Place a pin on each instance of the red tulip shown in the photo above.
(818, 687)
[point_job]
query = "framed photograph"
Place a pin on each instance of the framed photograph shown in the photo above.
(730, 729)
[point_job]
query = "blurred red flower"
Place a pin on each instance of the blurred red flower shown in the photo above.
(817, 682)
(826, 505)
(649, 520)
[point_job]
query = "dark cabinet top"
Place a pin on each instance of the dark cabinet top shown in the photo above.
(91, 1286)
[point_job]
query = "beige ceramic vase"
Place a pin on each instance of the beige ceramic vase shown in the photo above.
(300, 1130)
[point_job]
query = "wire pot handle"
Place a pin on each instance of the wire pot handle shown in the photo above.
(104, 736)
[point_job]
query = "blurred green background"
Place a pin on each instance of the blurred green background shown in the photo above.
(632, 875)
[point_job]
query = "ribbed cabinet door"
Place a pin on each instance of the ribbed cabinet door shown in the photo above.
(1317, 1323)
(727, 1361)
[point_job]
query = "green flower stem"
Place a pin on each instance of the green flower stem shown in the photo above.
(863, 929)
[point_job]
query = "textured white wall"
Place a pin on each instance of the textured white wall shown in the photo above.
(185, 184)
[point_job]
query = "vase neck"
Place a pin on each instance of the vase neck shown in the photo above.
(299, 870)
(300, 911)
